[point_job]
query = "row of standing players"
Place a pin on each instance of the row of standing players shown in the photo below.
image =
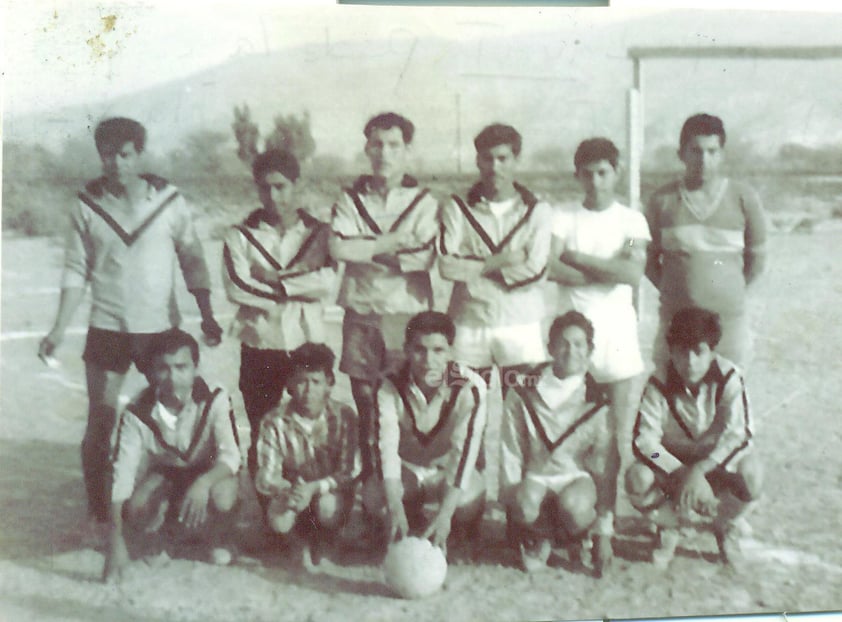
(419, 430)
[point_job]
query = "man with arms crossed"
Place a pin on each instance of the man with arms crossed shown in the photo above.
(384, 230)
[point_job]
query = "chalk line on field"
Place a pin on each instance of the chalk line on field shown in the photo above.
(762, 551)
(332, 314)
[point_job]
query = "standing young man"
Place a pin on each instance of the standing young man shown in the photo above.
(384, 229)
(708, 240)
(128, 231)
(278, 270)
(495, 246)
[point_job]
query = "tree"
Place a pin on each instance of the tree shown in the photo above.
(246, 132)
(293, 134)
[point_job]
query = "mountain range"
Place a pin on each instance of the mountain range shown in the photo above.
(556, 87)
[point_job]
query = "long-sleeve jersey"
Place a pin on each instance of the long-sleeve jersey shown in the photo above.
(292, 447)
(401, 285)
(475, 229)
(130, 256)
(674, 427)
(280, 280)
(704, 256)
(442, 434)
(554, 430)
(202, 434)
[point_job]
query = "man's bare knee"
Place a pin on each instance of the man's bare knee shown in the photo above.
(527, 502)
(223, 495)
(332, 510)
(752, 473)
(578, 502)
(374, 496)
(639, 479)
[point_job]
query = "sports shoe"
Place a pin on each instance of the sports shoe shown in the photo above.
(665, 551)
(534, 554)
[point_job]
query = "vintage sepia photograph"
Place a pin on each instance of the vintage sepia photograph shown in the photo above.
(314, 311)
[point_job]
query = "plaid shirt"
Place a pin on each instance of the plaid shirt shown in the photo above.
(130, 256)
(292, 447)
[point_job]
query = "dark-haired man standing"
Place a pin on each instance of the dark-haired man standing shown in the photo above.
(278, 270)
(384, 229)
(128, 232)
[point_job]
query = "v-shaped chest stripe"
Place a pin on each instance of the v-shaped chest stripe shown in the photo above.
(483, 234)
(146, 418)
(127, 238)
(542, 431)
(369, 219)
(444, 414)
(271, 259)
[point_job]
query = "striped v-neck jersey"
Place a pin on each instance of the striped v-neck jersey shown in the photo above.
(553, 430)
(404, 286)
(443, 434)
(707, 254)
(676, 427)
(203, 434)
(279, 280)
(131, 257)
(472, 230)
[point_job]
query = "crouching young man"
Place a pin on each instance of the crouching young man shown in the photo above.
(429, 422)
(307, 453)
(556, 444)
(176, 455)
(692, 440)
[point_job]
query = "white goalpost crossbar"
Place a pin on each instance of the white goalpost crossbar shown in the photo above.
(636, 103)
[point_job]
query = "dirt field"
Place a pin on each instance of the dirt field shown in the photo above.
(794, 561)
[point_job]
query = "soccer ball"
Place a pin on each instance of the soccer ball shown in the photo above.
(414, 568)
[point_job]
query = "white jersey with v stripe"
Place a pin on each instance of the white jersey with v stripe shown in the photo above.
(553, 432)
(280, 280)
(203, 434)
(403, 286)
(473, 230)
(444, 434)
(130, 256)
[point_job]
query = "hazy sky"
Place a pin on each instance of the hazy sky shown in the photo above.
(59, 52)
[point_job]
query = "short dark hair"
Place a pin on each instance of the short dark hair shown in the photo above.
(571, 318)
(170, 342)
(272, 161)
(596, 150)
(693, 326)
(430, 323)
(388, 120)
(498, 134)
(701, 125)
(111, 134)
(312, 357)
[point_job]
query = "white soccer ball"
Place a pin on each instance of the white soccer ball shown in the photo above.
(414, 568)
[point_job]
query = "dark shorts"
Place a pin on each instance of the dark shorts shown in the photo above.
(116, 351)
(263, 376)
(371, 344)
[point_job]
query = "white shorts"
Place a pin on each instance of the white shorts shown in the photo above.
(504, 346)
(616, 353)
